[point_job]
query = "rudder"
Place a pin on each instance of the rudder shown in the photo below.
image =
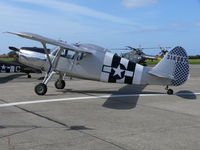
(181, 71)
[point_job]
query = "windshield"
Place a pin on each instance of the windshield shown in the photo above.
(54, 50)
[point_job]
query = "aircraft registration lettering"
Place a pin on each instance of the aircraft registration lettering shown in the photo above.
(177, 58)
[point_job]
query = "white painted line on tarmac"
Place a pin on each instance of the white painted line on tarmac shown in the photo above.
(88, 97)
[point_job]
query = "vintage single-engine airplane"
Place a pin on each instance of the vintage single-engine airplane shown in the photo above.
(88, 61)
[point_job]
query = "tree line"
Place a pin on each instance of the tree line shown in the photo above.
(194, 57)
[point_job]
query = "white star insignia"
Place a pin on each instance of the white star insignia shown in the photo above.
(118, 71)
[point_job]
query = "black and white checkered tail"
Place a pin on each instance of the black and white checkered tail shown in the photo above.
(174, 66)
(181, 70)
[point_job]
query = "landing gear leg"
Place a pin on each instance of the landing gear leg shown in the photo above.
(41, 88)
(169, 91)
(28, 76)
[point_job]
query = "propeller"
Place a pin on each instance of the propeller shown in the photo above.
(14, 49)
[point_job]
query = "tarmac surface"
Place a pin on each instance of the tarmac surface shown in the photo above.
(90, 115)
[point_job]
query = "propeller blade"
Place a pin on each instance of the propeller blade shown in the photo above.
(13, 48)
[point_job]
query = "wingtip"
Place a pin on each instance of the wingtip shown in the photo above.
(5, 32)
(8, 32)
(15, 33)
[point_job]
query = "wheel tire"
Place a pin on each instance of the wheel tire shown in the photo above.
(170, 92)
(40, 89)
(60, 84)
(29, 76)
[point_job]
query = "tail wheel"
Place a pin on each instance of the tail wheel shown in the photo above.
(29, 76)
(60, 84)
(40, 89)
(170, 92)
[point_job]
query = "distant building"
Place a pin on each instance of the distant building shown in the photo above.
(4, 56)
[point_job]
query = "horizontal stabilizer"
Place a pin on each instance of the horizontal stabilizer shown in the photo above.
(162, 75)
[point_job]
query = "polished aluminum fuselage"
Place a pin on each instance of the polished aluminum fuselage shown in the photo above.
(33, 59)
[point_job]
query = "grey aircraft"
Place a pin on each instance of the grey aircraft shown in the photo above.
(138, 56)
(88, 61)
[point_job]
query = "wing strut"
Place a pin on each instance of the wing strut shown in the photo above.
(46, 51)
(53, 65)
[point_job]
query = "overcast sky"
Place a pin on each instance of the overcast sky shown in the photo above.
(108, 23)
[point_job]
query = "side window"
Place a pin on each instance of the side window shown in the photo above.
(70, 54)
(80, 56)
(64, 53)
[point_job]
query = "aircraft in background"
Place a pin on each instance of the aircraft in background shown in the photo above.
(89, 61)
(16, 66)
(35, 52)
(138, 56)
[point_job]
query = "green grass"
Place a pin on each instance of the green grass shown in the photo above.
(152, 62)
(191, 61)
(7, 59)
(194, 61)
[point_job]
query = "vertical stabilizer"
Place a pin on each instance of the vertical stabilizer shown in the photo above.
(173, 66)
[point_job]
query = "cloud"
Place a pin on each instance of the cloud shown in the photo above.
(137, 3)
(75, 10)
(15, 18)
(62, 20)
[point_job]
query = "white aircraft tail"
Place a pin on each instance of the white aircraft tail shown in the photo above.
(173, 66)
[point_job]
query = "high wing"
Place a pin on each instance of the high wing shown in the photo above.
(45, 40)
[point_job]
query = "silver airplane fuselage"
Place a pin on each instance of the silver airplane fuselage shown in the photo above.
(31, 57)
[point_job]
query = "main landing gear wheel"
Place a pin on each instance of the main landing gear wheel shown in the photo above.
(170, 92)
(29, 76)
(60, 84)
(40, 89)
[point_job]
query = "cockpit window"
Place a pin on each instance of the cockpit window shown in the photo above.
(80, 56)
(64, 53)
(70, 54)
(55, 50)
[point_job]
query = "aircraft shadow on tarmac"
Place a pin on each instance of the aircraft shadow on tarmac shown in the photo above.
(10, 78)
(118, 102)
(125, 102)
(186, 95)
